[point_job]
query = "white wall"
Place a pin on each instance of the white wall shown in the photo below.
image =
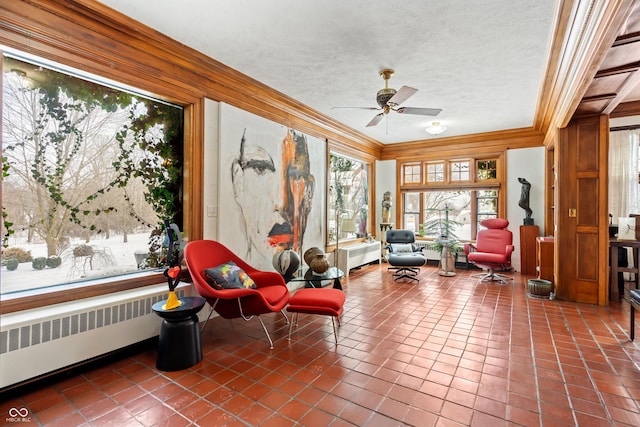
(385, 181)
(527, 163)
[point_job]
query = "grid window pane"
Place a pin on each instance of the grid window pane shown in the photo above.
(460, 171)
(411, 174)
(435, 172)
(487, 169)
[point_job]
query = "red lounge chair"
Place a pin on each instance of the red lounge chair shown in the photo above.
(271, 294)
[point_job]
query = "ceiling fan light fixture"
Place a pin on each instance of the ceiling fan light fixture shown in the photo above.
(384, 95)
(389, 99)
(435, 129)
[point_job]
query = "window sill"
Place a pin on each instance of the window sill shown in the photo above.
(28, 299)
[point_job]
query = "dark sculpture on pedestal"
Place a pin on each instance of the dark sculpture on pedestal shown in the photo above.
(524, 200)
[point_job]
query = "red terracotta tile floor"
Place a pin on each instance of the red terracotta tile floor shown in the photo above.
(444, 352)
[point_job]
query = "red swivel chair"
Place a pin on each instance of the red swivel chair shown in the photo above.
(492, 250)
(271, 294)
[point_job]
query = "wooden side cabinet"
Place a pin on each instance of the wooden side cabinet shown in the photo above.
(544, 258)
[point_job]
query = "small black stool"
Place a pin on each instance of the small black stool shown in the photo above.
(406, 264)
(179, 342)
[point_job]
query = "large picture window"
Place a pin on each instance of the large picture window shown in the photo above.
(90, 175)
(453, 207)
(348, 211)
(463, 210)
(458, 192)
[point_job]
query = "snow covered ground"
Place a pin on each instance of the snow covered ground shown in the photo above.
(112, 256)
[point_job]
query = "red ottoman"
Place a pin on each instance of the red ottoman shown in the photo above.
(328, 302)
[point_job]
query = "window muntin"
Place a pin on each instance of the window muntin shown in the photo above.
(435, 172)
(459, 170)
(102, 165)
(411, 173)
(348, 210)
(486, 170)
(450, 172)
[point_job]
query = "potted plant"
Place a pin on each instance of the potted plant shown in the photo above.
(446, 241)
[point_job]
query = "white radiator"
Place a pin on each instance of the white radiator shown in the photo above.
(430, 251)
(356, 255)
(39, 341)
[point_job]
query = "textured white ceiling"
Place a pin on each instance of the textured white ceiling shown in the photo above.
(482, 62)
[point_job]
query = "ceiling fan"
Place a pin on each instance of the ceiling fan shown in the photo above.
(389, 99)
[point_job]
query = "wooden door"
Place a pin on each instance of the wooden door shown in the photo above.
(581, 211)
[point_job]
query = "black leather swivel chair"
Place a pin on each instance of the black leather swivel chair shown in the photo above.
(404, 256)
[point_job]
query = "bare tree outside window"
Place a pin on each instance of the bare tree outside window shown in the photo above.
(84, 166)
(348, 198)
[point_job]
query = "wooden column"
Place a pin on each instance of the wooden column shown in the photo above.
(528, 235)
(582, 222)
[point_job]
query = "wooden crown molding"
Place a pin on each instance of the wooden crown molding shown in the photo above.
(88, 35)
(465, 144)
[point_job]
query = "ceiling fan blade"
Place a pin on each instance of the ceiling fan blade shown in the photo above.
(419, 111)
(376, 119)
(404, 93)
(359, 108)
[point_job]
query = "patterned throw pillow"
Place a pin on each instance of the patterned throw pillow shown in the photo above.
(228, 276)
(401, 247)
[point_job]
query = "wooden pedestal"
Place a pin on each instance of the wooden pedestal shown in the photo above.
(528, 235)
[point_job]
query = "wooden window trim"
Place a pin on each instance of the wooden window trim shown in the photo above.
(57, 297)
(473, 181)
(499, 183)
(337, 150)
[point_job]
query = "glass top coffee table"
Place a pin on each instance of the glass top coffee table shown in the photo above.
(314, 280)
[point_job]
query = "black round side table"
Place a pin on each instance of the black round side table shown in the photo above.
(179, 342)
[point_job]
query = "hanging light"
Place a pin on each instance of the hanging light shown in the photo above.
(435, 128)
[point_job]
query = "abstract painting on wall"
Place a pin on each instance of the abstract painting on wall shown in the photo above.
(272, 187)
